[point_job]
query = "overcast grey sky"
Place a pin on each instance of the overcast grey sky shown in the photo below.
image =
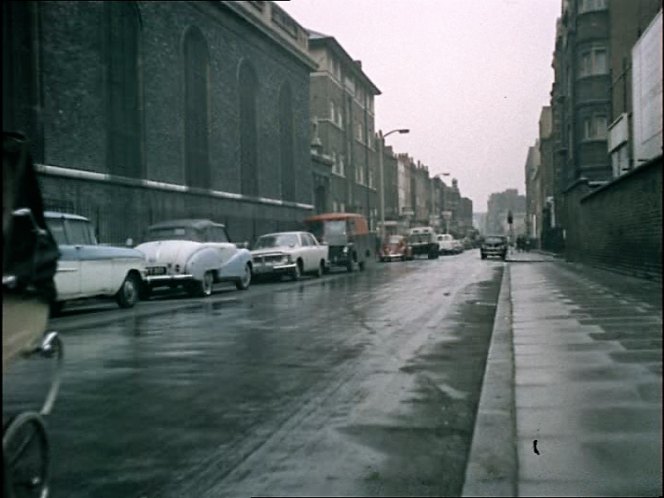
(468, 77)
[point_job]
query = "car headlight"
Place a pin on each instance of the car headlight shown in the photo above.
(289, 258)
(345, 251)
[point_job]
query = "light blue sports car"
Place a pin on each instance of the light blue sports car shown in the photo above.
(195, 254)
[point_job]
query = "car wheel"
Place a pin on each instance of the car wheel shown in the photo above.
(245, 280)
(128, 294)
(321, 270)
(350, 266)
(297, 271)
(361, 265)
(483, 256)
(201, 288)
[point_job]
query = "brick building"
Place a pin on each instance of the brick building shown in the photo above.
(590, 97)
(342, 102)
(145, 111)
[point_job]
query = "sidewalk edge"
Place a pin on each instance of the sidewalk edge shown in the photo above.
(492, 461)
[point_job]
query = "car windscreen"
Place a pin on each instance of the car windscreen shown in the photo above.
(395, 239)
(79, 232)
(174, 233)
(277, 240)
(323, 230)
(57, 228)
(494, 240)
(418, 238)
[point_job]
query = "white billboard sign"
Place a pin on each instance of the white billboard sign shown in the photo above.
(647, 92)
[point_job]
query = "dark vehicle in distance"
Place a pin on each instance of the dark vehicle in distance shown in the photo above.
(494, 245)
(422, 242)
(395, 247)
(348, 237)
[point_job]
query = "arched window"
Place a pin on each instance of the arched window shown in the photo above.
(248, 87)
(196, 75)
(286, 143)
(124, 133)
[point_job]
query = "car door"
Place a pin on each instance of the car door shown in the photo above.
(96, 266)
(68, 275)
(316, 251)
(308, 252)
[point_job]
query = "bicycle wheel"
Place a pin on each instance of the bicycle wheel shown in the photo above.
(25, 455)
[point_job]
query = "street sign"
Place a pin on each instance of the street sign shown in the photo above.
(447, 215)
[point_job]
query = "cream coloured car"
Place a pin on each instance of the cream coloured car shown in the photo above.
(289, 253)
(194, 254)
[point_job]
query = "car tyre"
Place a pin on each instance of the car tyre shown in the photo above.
(128, 295)
(483, 256)
(297, 271)
(201, 288)
(361, 265)
(321, 269)
(245, 281)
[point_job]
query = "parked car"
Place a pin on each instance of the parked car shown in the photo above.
(445, 243)
(88, 269)
(395, 247)
(422, 241)
(194, 254)
(348, 237)
(457, 246)
(494, 245)
(289, 253)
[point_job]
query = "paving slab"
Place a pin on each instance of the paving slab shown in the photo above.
(586, 365)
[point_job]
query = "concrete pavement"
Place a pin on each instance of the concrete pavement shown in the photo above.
(571, 403)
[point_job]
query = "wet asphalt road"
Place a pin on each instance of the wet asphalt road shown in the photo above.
(353, 384)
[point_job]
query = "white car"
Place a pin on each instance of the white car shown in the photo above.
(195, 254)
(290, 253)
(88, 269)
(447, 244)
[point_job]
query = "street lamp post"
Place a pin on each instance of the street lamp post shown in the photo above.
(381, 139)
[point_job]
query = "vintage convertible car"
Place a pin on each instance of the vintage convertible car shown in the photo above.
(195, 254)
(289, 253)
(88, 269)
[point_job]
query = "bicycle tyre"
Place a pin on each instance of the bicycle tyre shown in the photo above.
(25, 477)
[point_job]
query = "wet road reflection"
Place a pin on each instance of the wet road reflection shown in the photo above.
(360, 383)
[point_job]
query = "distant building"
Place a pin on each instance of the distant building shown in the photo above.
(498, 207)
(533, 192)
(405, 165)
(465, 216)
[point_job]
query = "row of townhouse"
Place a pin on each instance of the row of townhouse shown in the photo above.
(342, 106)
(143, 111)
(593, 176)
